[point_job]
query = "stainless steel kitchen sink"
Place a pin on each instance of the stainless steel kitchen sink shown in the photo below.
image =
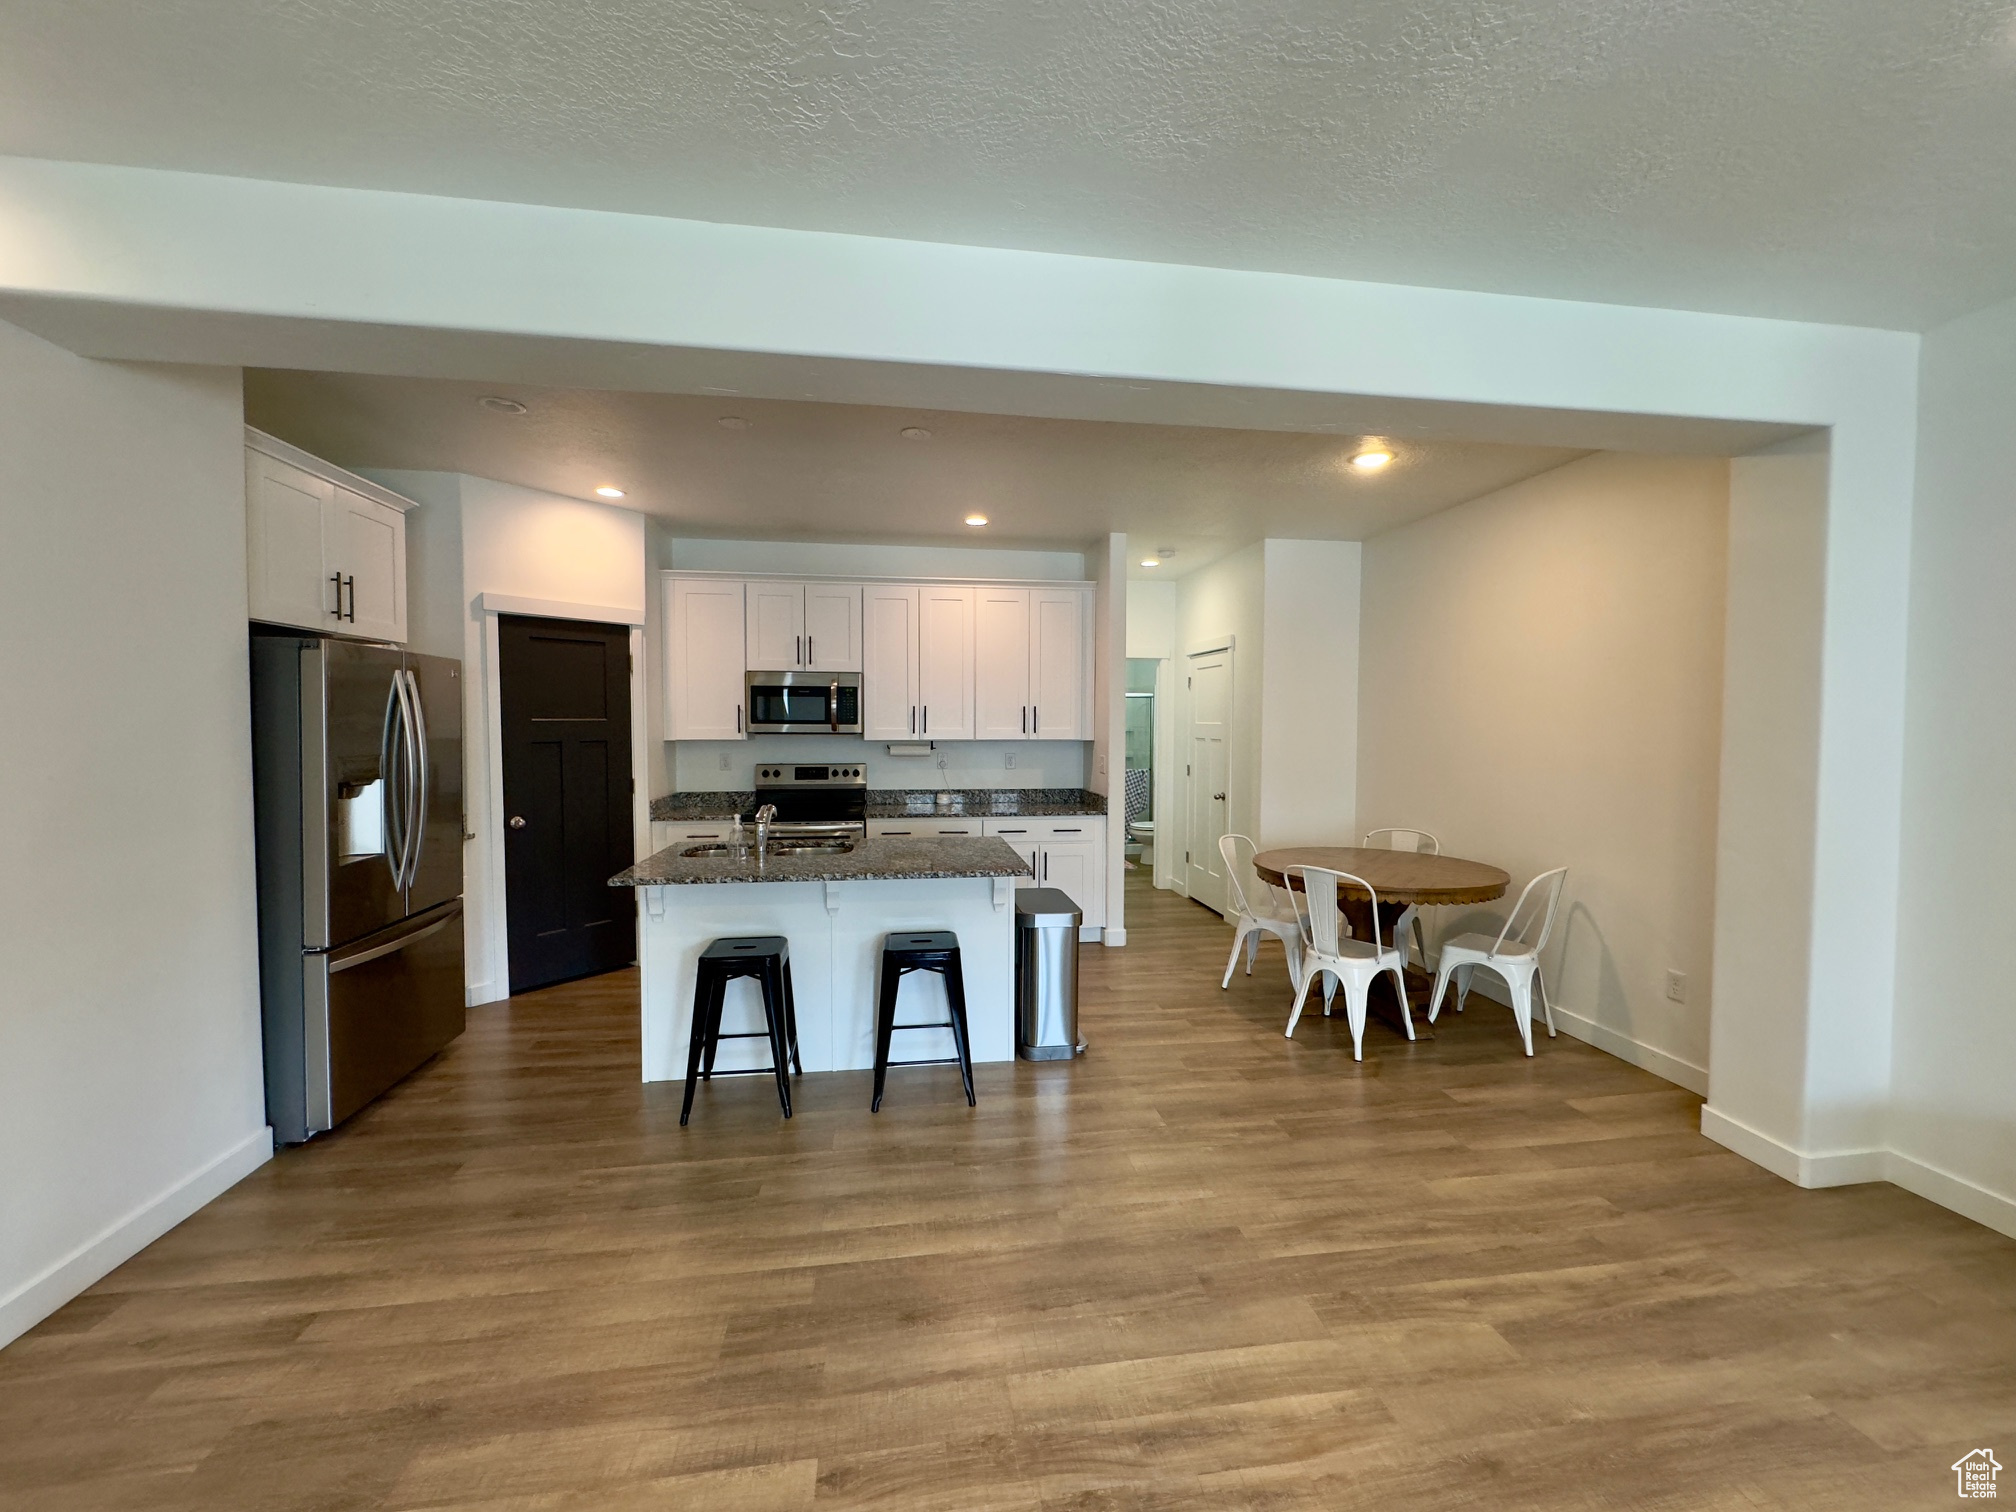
(811, 847)
(705, 850)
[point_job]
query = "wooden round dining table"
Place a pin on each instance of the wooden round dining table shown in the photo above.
(1399, 878)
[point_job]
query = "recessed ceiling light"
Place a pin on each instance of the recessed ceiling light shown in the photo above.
(609, 493)
(1151, 561)
(976, 519)
(502, 405)
(916, 433)
(1372, 459)
(732, 422)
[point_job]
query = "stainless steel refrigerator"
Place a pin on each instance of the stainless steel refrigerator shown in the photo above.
(357, 771)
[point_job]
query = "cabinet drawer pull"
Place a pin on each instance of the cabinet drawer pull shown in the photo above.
(336, 578)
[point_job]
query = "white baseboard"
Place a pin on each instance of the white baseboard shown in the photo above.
(34, 1300)
(1115, 937)
(1681, 1073)
(1827, 1168)
(479, 993)
(1990, 1209)
(1611, 1041)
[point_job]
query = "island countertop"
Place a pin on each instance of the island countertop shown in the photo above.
(871, 860)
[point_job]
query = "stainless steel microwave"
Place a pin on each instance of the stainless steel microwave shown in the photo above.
(804, 703)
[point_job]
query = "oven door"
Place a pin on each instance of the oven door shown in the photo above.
(804, 703)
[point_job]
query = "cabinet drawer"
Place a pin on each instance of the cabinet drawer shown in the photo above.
(1070, 830)
(923, 827)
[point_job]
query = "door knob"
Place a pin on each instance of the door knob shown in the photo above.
(1215, 797)
(518, 820)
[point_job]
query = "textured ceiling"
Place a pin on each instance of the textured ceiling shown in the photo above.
(843, 472)
(1848, 160)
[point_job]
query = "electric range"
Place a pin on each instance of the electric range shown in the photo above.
(815, 800)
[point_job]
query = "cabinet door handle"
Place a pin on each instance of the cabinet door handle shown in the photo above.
(808, 651)
(351, 583)
(913, 719)
(797, 650)
(927, 719)
(1046, 866)
(1035, 719)
(1025, 719)
(738, 719)
(337, 579)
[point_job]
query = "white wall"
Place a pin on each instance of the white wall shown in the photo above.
(1542, 687)
(1953, 1113)
(1769, 804)
(473, 537)
(1151, 618)
(1309, 745)
(131, 1087)
(825, 559)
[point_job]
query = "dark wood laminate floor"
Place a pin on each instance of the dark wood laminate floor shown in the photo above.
(1202, 1268)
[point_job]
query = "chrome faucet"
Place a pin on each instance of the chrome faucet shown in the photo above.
(763, 817)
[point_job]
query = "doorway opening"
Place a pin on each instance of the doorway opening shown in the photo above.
(1139, 793)
(564, 715)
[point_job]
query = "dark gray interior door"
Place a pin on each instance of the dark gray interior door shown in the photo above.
(565, 711)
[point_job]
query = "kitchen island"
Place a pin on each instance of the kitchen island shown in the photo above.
(834, 908)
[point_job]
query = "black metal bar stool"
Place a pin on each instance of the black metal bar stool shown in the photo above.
(929, 950)
(767, 958)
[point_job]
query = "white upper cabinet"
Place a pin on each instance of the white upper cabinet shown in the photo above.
(364, 543)
(323, 550)
(833, 627)
(1059, 682)
(703, 659)
(776, 627)
(284, 509)
(1031, 672)
(1001, 663)
(889, 662)
(795, 627)
(945, 663)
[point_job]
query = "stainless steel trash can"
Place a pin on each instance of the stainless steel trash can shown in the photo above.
(1046, 974)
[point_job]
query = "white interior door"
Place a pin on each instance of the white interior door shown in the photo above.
(776, 629)
(833, 627)
(1205, 770)
(889, 664)
(1001, 664)
(945, 663)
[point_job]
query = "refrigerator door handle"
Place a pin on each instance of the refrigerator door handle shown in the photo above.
(417, 756)
(391, 759)
(343, 962)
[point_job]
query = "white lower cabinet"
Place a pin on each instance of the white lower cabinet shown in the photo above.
(688, 832)
(1065, 853)
(924, 826)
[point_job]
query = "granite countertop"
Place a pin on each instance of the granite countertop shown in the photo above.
(869, 861)
(903, 803)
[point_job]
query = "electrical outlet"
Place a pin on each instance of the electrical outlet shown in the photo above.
(1676, 986)
(941, 763)
(1008, 760)
(724, 762)
(1102, 773)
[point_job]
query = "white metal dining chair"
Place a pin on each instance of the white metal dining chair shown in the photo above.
(1421, 843)
(1352, 963)
(1514, 955)
(1262, 914)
